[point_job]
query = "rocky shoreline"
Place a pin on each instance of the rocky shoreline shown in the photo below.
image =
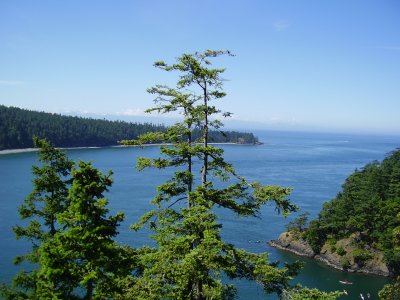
(291, 243)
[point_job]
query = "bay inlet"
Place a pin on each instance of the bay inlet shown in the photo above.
(313, 164)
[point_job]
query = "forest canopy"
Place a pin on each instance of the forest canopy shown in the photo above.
(18, 127)
(369, 207)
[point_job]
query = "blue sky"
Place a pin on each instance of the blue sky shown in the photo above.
(299, 65)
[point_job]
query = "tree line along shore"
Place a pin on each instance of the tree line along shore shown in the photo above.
(18, 127)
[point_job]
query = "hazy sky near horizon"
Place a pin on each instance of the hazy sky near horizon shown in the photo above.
(303, 65)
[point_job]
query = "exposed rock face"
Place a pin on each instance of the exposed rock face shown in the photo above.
(288, 241)
(343, 260)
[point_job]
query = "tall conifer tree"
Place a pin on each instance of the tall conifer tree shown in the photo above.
(84, 258)
(191, 258)
(73, 253)
(48, 198)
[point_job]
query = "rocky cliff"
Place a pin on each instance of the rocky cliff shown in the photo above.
(341, 255)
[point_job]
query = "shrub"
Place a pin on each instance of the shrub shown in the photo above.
(315, 236)
(392, 259)
(391, 291)
(340, 250)
(361, 256)
(344, 263)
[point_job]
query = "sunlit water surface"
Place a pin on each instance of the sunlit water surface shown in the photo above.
(314, 165)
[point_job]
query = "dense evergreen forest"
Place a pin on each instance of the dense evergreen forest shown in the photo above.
(18, 126)
(368, 208)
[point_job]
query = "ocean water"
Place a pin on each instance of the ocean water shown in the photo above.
(315, 165)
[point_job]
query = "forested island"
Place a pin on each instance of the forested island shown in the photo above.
(359, 230)
(18, 127)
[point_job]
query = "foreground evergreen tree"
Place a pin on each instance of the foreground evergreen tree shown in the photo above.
(73, 254)
(191, 259)
(300, 293)
(48, 198)
(84, 258)
(391, 291)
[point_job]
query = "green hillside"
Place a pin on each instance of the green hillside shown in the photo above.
(18, 126)
(367, 210)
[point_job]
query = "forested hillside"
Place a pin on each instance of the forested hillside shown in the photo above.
(367, 210)
(18, 126)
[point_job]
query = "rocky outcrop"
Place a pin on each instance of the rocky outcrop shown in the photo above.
(339, 256)
(289, 242)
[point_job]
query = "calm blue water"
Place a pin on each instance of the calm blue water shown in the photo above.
(314, 165)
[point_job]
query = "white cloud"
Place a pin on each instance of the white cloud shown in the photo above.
(11, 82)
(133, 112)
(281, 25)
(138, 112)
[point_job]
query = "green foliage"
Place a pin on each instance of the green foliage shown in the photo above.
(345, 263)
(367, 206)
(361, 256)
(340, 251)
(71, 233)
(49, 195)
(315, 235)
(19, 126)
(332, 244)
(191, 258)
(391, 291)
(392, 257)
(298, 224)
(300, 293)
(396, 236)
(48, 198)
(83, 255)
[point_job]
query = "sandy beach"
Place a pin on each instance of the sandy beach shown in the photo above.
(14, 151)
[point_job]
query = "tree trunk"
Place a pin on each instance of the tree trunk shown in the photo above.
(53, 220)
(199, 295)
(89, 291)
(205, 136)
(190, 183)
